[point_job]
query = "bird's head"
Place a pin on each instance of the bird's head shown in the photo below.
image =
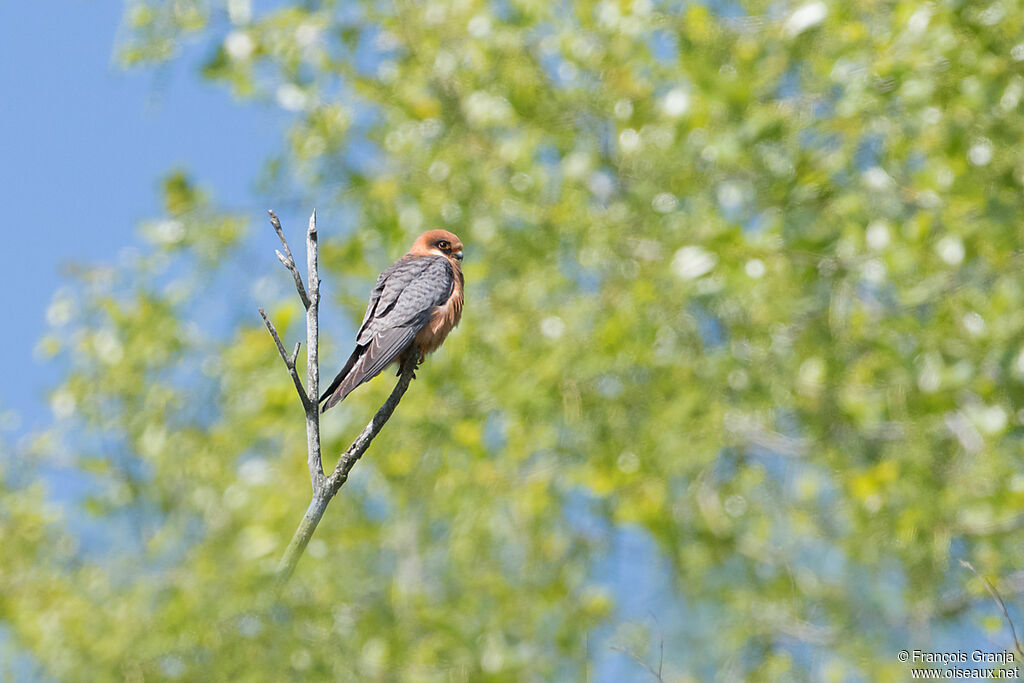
(438, 243)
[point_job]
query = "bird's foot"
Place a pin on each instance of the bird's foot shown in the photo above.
(419, 362)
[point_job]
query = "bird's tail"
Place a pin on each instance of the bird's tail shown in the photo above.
(339, 389)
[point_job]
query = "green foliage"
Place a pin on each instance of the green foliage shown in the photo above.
(746, 281)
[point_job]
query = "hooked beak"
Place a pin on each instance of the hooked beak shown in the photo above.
(458, 255)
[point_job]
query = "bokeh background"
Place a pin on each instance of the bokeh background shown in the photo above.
(740, 379)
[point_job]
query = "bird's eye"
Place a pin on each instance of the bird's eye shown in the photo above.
(443, 245)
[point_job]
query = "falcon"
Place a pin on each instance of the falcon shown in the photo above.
(416, 302)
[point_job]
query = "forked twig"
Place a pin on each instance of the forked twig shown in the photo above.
(288, 362)
(999, 601)
(324, 488)
(657, 673)
(286, 258)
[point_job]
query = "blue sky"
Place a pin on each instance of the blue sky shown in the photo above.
(83, 145)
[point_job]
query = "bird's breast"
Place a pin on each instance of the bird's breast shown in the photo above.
(443, 320)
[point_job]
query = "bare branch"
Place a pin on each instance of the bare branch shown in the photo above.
(661, 644)
(661, 654)
(289, 362)
(316, 468)
(657, 673)
(955, 602)
(355, 451)
(323, 495)
(287, 259)
(999, 601)
(300, 539)
(324, 488)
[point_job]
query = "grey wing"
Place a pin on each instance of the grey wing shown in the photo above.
(393, 280)
(401, 314)
(399, 307)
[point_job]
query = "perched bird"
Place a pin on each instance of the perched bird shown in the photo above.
(415, 304)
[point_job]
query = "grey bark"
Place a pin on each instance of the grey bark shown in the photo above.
(323, 494)
(324, 488)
